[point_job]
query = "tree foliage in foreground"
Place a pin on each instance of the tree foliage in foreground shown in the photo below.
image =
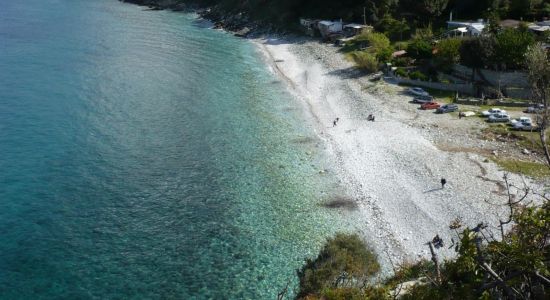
(343, 262)
(537, 60)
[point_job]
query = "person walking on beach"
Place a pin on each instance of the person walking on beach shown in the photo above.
(443, 182)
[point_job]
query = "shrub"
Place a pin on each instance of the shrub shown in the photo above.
(401, 72)
(343, 253)
(420, 49)
(366, 61)
(402, 61)
(384, 55)
(400, 46)
(378, 41)
(378, 293)
(417, 75)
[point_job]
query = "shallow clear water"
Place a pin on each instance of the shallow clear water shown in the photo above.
(143, 155)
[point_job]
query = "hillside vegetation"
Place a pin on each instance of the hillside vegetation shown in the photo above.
(382, 13)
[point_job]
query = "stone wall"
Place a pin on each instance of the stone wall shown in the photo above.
(496, 79)
(462, 88)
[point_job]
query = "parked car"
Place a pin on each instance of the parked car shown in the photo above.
(527, 126)
(498, 117)
(492, 111)
(416, 91)
(535, 109)
(520, 120)
(423, 99)
(447, 108)
(430, 105)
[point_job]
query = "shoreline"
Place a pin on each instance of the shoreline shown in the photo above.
(390, 168)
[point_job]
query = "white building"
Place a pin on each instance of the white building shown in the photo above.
(475, 29)
(329, 27)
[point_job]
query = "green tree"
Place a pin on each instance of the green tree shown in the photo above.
(493, 23)
(538, 66)
(434, 8)
(510, 48)
(448, 52)
(477, 53)
(393, 28)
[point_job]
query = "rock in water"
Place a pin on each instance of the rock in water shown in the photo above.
(243, 32)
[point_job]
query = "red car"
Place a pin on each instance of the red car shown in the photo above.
(430, 105)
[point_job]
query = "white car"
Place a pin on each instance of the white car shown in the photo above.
(492, 111)
(498, 117)
(418, 91)
(520, 120)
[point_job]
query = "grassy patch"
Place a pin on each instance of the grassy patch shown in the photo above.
(531, 169)
(524, 139)
(408, 272)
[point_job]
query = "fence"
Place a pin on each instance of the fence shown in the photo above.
(476, 101)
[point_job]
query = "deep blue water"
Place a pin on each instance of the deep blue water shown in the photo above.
(143, 155)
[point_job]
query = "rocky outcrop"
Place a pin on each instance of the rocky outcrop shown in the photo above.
(174, 5)
(237, 22)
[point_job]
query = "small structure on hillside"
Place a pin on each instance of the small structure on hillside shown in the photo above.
(539, 28)
(475, 29)
(457, 32)
(465, 28)
(327, 28)
(309, 26)
(458, 24)
(509, 23)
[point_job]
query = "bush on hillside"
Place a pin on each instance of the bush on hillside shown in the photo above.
(402, 61)
(366, 61)
(344, 259)
(401, 72)
(417, 75)
(419, 49)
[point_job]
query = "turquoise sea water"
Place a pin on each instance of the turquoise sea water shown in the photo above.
(143, 155)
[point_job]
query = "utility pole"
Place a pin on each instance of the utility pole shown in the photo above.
(364, 15)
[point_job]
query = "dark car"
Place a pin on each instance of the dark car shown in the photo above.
(423, 99)
(535, 109)
(447, 108)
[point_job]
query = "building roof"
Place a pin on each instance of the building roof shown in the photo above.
(539, 28)
(509, 23)
(326, 23)
(477, 27)
(464, 23)
(330, 23)
(355, 26)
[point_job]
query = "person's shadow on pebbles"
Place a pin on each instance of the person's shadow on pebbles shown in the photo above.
(433, 190)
